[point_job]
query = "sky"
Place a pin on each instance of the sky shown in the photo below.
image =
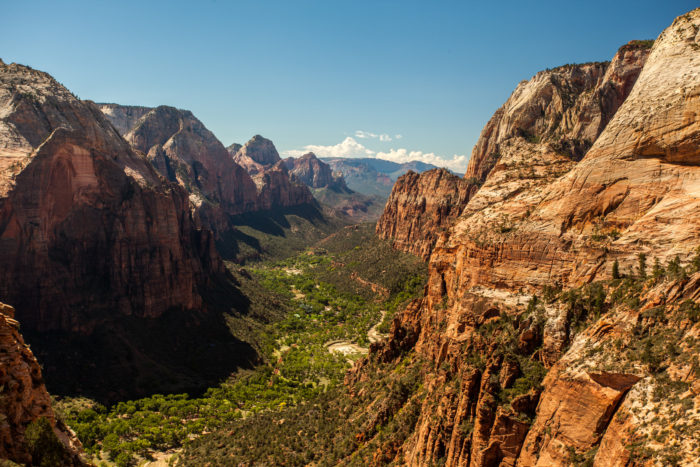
(400, 80)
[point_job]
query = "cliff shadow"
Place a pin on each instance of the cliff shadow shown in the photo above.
(127, 357)
(278, 221)
(276, 233)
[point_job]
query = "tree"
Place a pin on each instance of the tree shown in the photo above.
(658, 271)
(616, 270)
(642, 268)
(45, 447)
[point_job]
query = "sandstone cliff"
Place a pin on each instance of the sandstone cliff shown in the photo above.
(556, 116)
(83, 218)
(314, 173)
(90, 234)
(275, 188)
(567, 107)
(256, 153)
(421, 207)
(545, 337)
(222, 182)
(184, 151)
(24, 400)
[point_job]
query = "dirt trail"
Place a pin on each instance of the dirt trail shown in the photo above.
(373, 335)
(346, 347)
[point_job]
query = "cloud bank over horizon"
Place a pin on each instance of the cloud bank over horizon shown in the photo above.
(351, 148)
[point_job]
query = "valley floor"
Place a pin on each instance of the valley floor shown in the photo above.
(331, 302)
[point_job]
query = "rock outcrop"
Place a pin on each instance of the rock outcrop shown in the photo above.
(257, 153)
(24, 400)
(222, 182)
(421, 207)
(275, 188)
(84, 219)
(184, 151)
(314, 173)
(567, 107)
(123, 117)
(585, 373)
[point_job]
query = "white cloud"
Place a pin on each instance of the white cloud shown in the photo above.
(349, 147)
(458, 163)
(365, 134)
(398, 136)
(369, 135)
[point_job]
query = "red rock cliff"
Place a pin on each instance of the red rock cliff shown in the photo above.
(97, 248)
(612, 394)
(421, 207)
(84, 219)
(275, 187)
(184, 151)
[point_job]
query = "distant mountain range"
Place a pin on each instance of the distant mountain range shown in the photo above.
(373, 176)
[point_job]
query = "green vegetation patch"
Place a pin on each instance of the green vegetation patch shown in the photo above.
(297, 307)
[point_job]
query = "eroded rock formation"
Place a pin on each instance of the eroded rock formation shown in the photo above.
(222, 182)
(314, 173)
(83, 218)
(546, 125)
(275, 188)
(587, 374)
(421, 207)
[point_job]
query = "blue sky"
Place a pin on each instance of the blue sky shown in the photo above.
(395, 79)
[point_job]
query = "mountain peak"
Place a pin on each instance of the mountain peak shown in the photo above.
(260, 150)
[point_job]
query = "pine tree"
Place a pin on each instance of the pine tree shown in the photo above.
(616, 270)
(658, 271)
(642, 268)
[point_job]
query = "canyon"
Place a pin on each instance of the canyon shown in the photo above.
(540, 310)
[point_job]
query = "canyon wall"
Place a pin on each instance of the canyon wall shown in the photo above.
(543, 337)
(86, 225)
(97, 246)
(556, 116)
(421, 207)
(220, 183)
